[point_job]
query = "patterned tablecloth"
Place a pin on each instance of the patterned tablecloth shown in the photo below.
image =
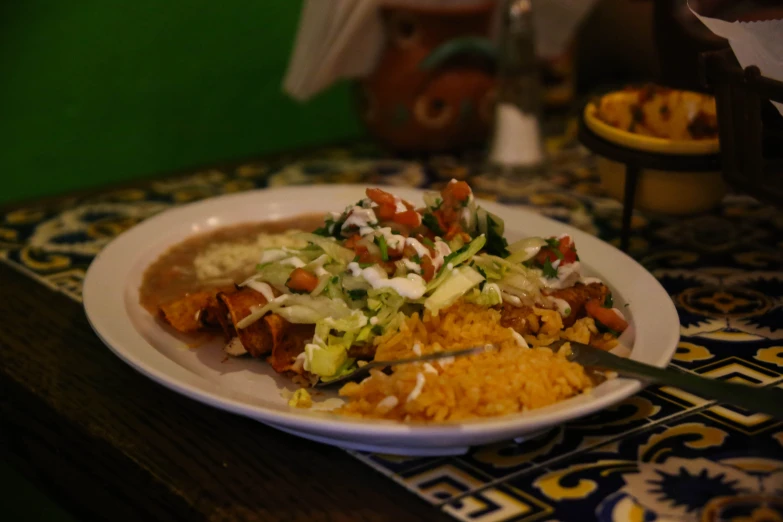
(661, 455)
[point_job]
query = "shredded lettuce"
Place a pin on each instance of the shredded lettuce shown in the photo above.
(490, 295)
(327, 355)
(325, 361)
(386, 303)
(329, 246)
(525, 249)
(323, 282)
(456, 259)
(347, 367)
(353, 306)
(276, 274)
(457, 282)
(352, 322)
(432, 200)
(456, 243)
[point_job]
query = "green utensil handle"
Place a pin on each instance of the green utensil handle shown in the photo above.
(762, 400)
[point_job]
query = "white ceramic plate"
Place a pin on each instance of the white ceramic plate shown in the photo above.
(250, 387)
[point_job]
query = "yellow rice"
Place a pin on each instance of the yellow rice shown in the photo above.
(508, 379)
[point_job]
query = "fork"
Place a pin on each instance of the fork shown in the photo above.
(384, 364)
(753, 398)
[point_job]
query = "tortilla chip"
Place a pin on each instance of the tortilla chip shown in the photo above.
(288, 341)
(185, 314)
(238, 305)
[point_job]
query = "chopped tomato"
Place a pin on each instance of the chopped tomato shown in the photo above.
(351, 241)
(409, 218)
(440, 216)
(455, 229)
(427, 268)
(454, 197)
(381, 197)
(301, 280)
(409, 251)
(460, 190)
(566, 250)
(389, 267)
(544, 254)
(606, 316)
(385, 212)
(364, 255)
(394, 253)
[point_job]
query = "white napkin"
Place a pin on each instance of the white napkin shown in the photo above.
(754, 43)
(339, 39)
(336, 39)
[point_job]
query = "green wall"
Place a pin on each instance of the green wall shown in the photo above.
(100, 91)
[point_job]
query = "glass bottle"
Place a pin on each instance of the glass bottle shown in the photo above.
(517, 156)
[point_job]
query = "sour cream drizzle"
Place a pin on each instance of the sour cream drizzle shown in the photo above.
(414, 394)
(411, 286)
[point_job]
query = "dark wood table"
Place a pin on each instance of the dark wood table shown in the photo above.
(107, 443)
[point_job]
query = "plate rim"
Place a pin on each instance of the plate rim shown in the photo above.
(332, 424)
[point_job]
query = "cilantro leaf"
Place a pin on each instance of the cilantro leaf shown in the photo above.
(355, 295)
(496, 244)
(609, 301)
(438, 203)
(431, 222)
(416, 258)
(427, 241)
(322, 231)
(337, 229)
(483, 274)
(381, 242)
(550, 272)
(554, 247)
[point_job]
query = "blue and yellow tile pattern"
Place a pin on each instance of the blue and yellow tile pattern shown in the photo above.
(661, 455)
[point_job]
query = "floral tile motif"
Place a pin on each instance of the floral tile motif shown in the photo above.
(663, 454)
(726, 304)
(511, 457)
(392, 464)
(499, 504)
(673, 472)
(440, 481)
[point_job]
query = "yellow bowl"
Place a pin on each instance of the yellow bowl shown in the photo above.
(641, 142)
(664, 191)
